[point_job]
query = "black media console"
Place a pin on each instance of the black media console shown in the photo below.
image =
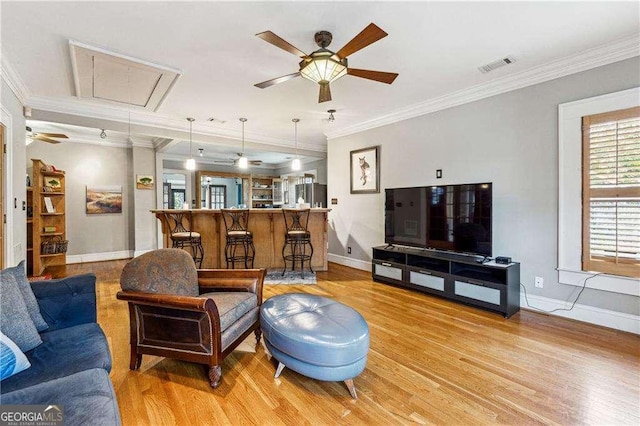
(452, 276)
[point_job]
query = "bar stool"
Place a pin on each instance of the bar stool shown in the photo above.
(182, 236)
(296, 238)
(239, 246)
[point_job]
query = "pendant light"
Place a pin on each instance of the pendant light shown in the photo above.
(243, 163)
(191, 162)
(295, 164)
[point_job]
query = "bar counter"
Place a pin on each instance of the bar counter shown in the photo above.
(268, 230)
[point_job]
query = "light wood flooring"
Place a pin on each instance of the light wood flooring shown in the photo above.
(431, 361)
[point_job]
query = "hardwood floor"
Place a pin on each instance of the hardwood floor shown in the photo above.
(431, 361)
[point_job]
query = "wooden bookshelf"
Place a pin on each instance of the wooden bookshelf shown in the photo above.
(46, 199)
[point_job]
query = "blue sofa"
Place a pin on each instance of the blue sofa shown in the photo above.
(70, 368)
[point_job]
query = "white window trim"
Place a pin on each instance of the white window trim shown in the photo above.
(570, 191)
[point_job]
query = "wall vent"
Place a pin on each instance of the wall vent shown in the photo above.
(508, 60)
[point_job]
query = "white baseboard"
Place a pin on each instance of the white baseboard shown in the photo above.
(140, 252)
(612, 319)
(604, 317)
(347, 261)
(99, 257)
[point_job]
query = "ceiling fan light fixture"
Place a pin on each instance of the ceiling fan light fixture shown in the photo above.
(323, 67)
(103, 134)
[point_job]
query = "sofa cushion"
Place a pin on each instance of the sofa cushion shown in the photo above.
(86, 397)
(12, 360)
(63, 352)
(232, 305)
(15, 320)
(164, 271)
(27, 295)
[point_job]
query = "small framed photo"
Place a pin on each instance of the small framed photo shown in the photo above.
(365, 170)
(144, 182)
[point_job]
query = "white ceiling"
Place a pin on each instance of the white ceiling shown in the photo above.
(436, 48)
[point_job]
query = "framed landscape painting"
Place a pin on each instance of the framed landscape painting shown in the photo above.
(104, 199)
(144, 182)
(365, 170)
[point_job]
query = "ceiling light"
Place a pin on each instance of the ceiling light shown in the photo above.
(323, 66)
(331, 117)
(295, 164)
(243, 163)
(103, 134)
(190, 164)
(201, 152)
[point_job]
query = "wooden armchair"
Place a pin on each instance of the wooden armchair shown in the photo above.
(193, 315)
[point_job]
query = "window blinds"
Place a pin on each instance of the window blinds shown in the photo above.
(611, 192)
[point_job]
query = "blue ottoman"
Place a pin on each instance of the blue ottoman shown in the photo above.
(315, 336)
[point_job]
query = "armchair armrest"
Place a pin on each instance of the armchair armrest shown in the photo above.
(188, 303)
(67, 301)
(249, 280)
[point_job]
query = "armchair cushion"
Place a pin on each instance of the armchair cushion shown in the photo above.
(27, 295)
(164, 271)
(67, 301)
(62, 353)
(232, 305)
(15, 321)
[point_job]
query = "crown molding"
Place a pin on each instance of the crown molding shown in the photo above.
(619, 50)
(13, 80)
(107, 112)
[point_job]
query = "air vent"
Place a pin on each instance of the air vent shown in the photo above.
(216, 120)
(497, 64)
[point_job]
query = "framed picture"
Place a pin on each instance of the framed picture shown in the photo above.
(104, 199)
(144, 182)
(365, 170)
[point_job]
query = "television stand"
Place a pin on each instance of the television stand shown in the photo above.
(453, 276)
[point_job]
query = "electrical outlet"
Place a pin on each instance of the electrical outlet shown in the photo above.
(348, 250)
(539, 282)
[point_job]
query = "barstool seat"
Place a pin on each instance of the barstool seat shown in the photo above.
(296, 239)
(182, 236)
(185, 235)
(239, 247)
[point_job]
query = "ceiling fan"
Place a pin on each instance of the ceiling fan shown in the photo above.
(234, 161)
(324, 66)
(45, 137)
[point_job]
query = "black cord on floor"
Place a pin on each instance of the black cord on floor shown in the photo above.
(584, 285)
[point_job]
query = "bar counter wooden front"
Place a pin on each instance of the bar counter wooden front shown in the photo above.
(268, 230)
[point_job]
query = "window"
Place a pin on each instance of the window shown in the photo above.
(611, 192)
(218, 196)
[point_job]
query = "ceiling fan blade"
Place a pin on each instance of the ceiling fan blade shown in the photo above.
(325, 93)
(44, 139)
(54, 135)
(255, 162)
(370, 34)
(278, 41)
(382, 77)
(277, 80)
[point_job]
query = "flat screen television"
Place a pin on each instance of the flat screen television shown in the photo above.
(449, 217)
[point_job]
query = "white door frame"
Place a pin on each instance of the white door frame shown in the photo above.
(7, 122)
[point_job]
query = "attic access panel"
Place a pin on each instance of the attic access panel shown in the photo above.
(104, 75)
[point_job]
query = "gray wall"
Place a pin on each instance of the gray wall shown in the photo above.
(93, 165)
(144, 163)
(17, 232)
(510, 140)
